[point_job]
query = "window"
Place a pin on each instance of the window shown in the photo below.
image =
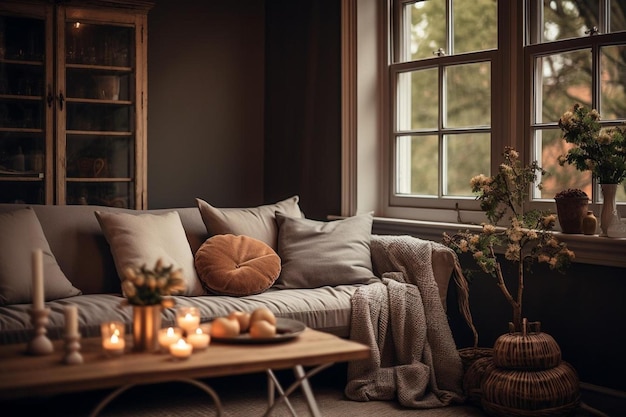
(577, 52)
(441, 77)
(460, 90)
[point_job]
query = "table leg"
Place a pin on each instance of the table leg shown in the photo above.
(117, 392)
(302, 381)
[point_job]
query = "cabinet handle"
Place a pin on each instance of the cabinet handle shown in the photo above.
(61, 100)
(49, 97)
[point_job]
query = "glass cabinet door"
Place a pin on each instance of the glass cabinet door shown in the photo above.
(24, 110)
(97, 106)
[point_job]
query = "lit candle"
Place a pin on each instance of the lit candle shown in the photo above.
(71, 320)
(188, 318)
(181, 349)
(113, 337)
(38, 295)
(168, 337)
(198, 339)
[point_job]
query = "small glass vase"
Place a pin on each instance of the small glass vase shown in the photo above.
(608, 215)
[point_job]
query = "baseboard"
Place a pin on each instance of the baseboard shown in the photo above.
(603, 401)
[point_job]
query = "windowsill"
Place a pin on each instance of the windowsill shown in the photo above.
(594, 250)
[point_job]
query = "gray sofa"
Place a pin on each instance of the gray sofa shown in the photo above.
(83, 254)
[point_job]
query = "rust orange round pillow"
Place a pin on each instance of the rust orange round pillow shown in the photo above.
(236, 265)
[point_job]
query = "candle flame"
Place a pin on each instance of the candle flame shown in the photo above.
(170, 331)
(114, 337)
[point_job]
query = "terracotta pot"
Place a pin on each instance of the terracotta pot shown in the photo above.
(570, 212)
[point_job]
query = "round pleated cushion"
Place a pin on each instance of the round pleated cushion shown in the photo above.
(236, 265)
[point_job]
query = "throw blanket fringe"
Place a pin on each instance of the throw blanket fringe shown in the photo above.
(413, 354)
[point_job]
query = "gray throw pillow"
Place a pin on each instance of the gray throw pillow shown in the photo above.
(20, 235)
(141, 239)
(256, 222)
(316, 254)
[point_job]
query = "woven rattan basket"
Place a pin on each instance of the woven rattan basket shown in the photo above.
(551, 392)
(528, 377)
(527, 350)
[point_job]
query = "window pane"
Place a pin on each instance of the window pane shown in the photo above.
(560, 177)
(417, 165)
(418, 100)
(459, 167)
(475, 25)
(427, 23)
(618, 15)
(612, 82)
(563, 19)
(468, 95)
(566, 79)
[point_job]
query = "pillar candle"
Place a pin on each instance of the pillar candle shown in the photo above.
(71, 320)
(38, 295)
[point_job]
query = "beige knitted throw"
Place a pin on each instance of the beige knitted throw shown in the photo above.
(414, 358)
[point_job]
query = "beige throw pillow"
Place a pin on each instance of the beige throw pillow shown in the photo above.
(20, 235)
(257, 222)
(315, 253)
(141, 239)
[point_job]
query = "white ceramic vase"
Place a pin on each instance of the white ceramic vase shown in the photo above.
(609, 215)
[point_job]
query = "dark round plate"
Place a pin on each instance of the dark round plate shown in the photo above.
(286, 329)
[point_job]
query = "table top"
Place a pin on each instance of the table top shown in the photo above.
(23, 375)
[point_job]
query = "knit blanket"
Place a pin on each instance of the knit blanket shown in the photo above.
(413, 358)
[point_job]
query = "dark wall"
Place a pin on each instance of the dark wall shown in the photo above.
(206, 63)
(303, 104)
(244, 103)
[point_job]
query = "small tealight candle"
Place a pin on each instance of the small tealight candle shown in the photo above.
(113, 341)
(168, 337)
(181, 349)
(188, 318)
(198, 339)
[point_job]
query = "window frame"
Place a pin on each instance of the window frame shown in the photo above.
(512, 120)
(533, 48)
(454, 209)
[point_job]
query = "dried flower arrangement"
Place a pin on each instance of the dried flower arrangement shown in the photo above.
(527, 238)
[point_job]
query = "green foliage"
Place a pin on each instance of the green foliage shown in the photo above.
(601, 151)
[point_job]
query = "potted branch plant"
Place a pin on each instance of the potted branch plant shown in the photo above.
(525, 375)
(527, 237)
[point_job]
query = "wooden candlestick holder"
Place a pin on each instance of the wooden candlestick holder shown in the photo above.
(40, 344)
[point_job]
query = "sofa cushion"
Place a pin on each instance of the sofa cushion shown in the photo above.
(236, 265)
(257, 222)
(21, 234)
(315, 253)
(141, 239)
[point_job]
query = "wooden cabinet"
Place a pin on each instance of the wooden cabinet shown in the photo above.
(73, 95)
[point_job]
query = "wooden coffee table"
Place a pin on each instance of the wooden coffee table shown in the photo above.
(27, 376)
